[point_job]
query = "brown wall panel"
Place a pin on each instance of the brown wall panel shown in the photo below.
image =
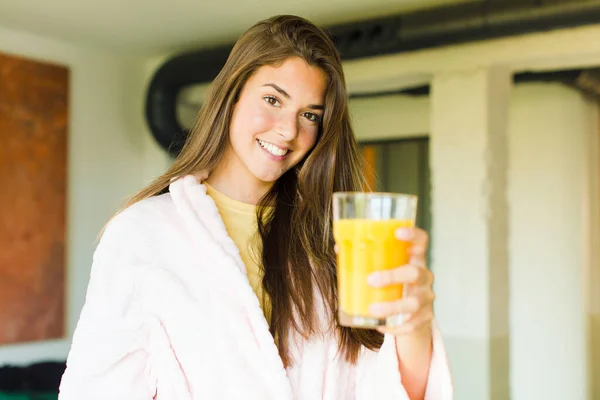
(33, 179)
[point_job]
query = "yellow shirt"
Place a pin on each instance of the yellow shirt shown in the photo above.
(240, 221)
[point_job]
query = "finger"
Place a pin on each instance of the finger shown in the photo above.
(424, 295)
(388, 309)
(411, 323)
(425, 277)
(413, 274)
(418, 251)
(409, 326)
(415, 235)
(394, 276)
(417, 301)
(420, 242)
(336, 248)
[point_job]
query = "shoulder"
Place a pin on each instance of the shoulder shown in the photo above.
(152, 210)
(141, 225)
(136, 246)
(146, 213)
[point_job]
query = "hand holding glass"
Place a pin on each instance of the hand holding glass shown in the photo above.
(364, 226)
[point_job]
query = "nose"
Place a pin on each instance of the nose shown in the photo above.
(287, 126)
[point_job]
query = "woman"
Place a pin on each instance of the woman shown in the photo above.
(218, 280)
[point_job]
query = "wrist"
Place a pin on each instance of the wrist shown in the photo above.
(421, 339)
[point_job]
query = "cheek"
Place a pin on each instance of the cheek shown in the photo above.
(254, 119)
(263, 122)
(308, 139)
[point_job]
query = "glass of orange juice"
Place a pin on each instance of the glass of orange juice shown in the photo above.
(363, 229)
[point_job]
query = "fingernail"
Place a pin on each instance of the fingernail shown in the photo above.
(374, 279)
(404, 234)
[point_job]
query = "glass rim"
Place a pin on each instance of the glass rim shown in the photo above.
(368, 195)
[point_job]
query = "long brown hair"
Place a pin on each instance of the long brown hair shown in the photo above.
(296, 233)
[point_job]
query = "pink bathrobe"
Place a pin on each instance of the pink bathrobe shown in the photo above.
(170, 315)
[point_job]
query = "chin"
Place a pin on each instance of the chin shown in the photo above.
(270, 179)
(268, 176)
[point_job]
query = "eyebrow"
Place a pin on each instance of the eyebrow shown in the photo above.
(287, 96)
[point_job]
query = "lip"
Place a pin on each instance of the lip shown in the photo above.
(275, 144)
(272, 156)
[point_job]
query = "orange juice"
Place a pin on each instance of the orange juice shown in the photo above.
(366, 246)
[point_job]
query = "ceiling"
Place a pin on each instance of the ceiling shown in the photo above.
(153, 27)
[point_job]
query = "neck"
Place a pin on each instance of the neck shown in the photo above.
(229, 182)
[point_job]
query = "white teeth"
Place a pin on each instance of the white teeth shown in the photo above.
(271, 148)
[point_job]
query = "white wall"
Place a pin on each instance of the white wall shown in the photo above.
(390, 117)
(552, 132)
(156, 160)
(106, 155)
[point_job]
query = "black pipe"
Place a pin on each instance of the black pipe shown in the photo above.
(426, 29)
(178, 72)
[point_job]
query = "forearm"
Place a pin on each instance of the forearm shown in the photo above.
(414, 358)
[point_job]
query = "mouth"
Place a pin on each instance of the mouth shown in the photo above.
(272, 149)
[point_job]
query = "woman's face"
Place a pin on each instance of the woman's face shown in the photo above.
(276, 120)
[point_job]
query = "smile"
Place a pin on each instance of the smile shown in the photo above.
(272, 149)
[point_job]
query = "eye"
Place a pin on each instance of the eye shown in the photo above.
(312, 117)
(272, 101)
